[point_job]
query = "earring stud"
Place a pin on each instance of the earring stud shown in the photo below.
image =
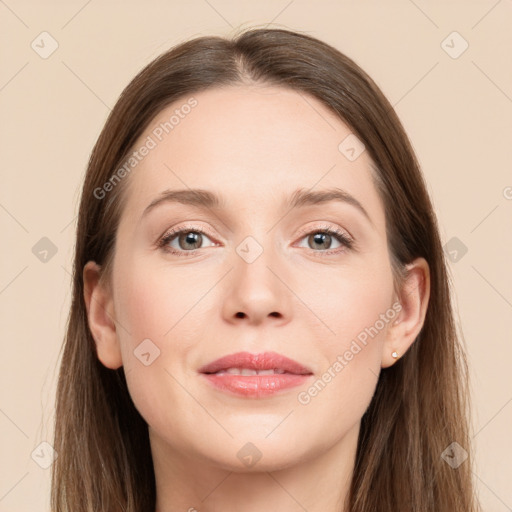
(394, 354)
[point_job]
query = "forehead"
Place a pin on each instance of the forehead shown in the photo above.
(247, 142)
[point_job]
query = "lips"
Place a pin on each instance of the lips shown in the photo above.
(245, 363)
(255, 375)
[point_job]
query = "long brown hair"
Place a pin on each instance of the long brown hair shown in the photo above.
(421, 403)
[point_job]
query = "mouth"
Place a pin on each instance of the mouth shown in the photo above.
(245, 363)
(250, 371)
(255, 375)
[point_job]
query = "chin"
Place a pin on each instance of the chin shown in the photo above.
(256, 454)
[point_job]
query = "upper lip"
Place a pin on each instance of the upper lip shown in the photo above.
(263, 361)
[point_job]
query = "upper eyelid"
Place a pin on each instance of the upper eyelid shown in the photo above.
(173, 231)
(325, 226)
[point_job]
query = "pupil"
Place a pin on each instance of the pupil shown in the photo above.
(193, 238)
(320, 238)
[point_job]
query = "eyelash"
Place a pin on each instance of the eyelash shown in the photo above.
(340, 236)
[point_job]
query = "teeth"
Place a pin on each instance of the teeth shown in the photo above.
(248, 372)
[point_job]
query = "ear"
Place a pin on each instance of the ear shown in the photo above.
(414, 297)
(101, 316)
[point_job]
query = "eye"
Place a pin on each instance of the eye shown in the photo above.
(185, 240)
(322, 239)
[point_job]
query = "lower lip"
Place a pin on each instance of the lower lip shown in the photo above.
(255, 385)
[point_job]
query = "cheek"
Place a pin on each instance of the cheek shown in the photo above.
(151, 338)
(159, 323)
(144, 307)
(153, 303)
(356, 312)
(351, 302)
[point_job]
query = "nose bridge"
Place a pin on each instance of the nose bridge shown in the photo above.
(254, 255)
(258, 248)
(255, 291)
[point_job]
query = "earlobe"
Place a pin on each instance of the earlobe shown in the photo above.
(414, 297)
(101, 317)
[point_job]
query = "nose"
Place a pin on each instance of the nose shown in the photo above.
(256, 291)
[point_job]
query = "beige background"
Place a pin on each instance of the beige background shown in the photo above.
(457, 111)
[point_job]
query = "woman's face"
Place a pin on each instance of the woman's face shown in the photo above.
(254, 273)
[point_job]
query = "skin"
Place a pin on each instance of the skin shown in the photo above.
(255, 145)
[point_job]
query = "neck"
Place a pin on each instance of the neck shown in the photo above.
(316, 482)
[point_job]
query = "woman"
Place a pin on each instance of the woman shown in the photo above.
(301, 352)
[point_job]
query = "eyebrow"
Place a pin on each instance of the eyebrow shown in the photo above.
(298, 199)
